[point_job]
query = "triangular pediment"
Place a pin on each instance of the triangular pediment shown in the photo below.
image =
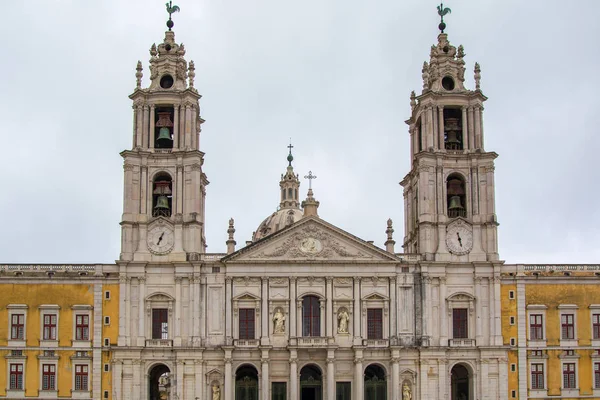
(246, 296)
(375, 297)
(311, 239)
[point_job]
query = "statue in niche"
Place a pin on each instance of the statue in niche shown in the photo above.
(343, 319)
(406, 394)
(278, 322)
(216, 392)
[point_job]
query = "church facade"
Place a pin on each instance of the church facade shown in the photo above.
(306, 311)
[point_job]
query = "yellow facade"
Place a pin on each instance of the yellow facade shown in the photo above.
(551, 293)
(66, 297)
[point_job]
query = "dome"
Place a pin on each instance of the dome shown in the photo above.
(277, 221)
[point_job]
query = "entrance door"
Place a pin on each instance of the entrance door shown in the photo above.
(311, 383)
(460, 383)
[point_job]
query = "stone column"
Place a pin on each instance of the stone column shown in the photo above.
(426, 301)
(142, 311)
(330, 375)
(465, 131)
(203, 307)
(393, 308)
(478, 312)
(329, 313)
(358, 378)
(293, 332)
(199, 379)
(197, 309)
(178, 309)
(128, 311)
(151, 133)
(471, 127)
(434, 131)
(179, 387)
(127, 380)
(477, 114)
(443, 313)
(423, 129)
(137, 369)
(228, 291)
(416, 139)
(412, 144)
(139, 125)
(122, 305)
(188, 126)
(481, 135)
(396, 378)
(441, 127)
(430, 128)
(194, 136)
(356, 317)
(497, 320)
(143, 189)
(293, 376)
(265, 375)
(322, 320)
(265, 313)
(175, 127)
(228, 377)
(145, 127)
(117, 378)
(491, 311)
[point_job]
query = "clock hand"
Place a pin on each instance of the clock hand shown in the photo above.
(459, 239)
(160, 238)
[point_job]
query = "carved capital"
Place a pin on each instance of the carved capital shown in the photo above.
(358, 360)
(330, 360)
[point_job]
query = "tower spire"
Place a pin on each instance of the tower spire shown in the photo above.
(289, 184)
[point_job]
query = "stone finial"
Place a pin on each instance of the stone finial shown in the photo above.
(477, 76)
(461, 51)
(153, 51)
(425, 75)
(413, 100)
(138, 75)
(230, 241)
(191, 73)
(310, 205)
(390, 242)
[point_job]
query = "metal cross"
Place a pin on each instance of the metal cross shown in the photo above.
(290, 146)
(310, 177)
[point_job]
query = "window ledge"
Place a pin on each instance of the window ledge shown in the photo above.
(80, 394)
(81, 343)
(48, 394)
(538, 393)
(569, 342)
(569, 392)
(536, 343)
(16, 343)
(595, 342)
(49, 343)
(15, 393)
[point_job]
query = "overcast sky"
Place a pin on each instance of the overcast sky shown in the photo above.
(335, 76)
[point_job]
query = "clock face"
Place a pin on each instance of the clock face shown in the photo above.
(459, 238)
(160, 239)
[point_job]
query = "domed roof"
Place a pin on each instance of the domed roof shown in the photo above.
(277, 221)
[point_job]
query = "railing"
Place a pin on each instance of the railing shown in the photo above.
(159, 343)
(376, 342)
(312, 341)
(461, 342)
(246, 342)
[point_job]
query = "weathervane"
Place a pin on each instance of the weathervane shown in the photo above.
(310, 177)
(441, 12)
(171, 9)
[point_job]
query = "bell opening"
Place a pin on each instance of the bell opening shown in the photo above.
(453, 137)
(455, 197)
(163, 131)
(162, 196)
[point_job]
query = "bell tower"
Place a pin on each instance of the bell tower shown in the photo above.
(449, 191)
(164, 196)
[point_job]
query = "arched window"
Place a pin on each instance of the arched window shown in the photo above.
(163, 127)
(460, 381)
(311, 383)
(311, 316)
(162, 195)
(455, 196)
(453, 137)
(375, 383)
(246, 383)
(159, 381)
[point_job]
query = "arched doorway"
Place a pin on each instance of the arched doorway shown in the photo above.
(159, 382)
(375, 383)
(311, 383)
(460, 382)
(246, 383)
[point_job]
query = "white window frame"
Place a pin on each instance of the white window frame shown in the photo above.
(81, 394)
(82, 309)
(569, 392)
(595, 360)
(247, 301)
(17, 309)
(594, 309)
(511, 294)
(48, 360)
(106, 295)
(49, 309)
(568, 309)
(536, 309)
(106, 320)
(376, 301)
(538, 393)
(10, 359)
(465, 301)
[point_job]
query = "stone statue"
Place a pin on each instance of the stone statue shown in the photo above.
(343, 319)
(406, 395)
(278, 322)
(216, 392)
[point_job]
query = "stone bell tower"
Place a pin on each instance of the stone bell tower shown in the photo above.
(164, 196)
(449, 191)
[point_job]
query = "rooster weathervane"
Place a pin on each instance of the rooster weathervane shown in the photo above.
(441, 12)
(171, 9)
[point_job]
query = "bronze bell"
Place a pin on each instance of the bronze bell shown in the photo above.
(162, 203)
(164, 134)
(455, 203)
